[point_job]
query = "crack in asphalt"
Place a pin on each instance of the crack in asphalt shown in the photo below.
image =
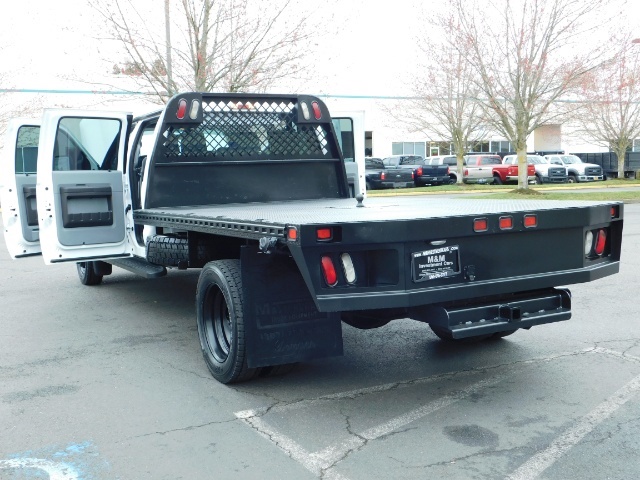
(185, 429)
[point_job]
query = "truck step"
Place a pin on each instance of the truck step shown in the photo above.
(140, 267)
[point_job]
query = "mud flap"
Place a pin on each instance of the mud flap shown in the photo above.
(282, 323)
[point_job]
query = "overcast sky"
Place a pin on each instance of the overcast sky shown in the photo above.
(45, 44)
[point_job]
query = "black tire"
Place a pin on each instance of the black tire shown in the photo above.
(538, 180)
(572, 179)
(363, 322)
(220, 317)
(368, 186)
(497, 180)
(168, 251)
(445, 335)
(504, 334)
(87, 274)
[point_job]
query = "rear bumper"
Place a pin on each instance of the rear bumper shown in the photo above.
(402, 184)
(521, 311)
(345, 301)
(429, 180)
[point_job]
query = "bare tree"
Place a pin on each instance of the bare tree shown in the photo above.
(611, 111)
(447, 106)
(539, 53)
(222, 45)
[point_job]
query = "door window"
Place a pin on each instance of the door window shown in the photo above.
(86, 144)
(27, 149)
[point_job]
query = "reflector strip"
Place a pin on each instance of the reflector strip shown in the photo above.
(588, 243)
(324, 234)
(480, 225)
(182, 109)
(195, 109)
(329, 271)
(530, 220)
(348, 268)
(506, 223)
(305, 110)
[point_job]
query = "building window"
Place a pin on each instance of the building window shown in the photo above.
(636, 145)
(408, 148)
(480, 147)
(500, 146)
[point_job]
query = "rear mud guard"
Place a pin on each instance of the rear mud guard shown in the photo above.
(282, 323)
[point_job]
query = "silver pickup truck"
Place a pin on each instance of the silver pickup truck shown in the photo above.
(478, 168)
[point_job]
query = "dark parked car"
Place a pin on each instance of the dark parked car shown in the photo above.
(424, 174)
(378, 176)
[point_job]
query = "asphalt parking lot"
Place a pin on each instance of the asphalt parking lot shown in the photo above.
(108, 382)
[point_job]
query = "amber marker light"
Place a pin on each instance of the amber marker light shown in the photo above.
(324, 234)
(480, 225)
(530, 221)
(505, 223)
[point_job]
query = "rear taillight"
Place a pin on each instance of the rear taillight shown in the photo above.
(595, 243)
(383, 175)
(419, 171)
(182, 109)
(329, 271)
(317, 113)
(601, 242)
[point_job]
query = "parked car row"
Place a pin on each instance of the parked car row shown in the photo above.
(402, 171)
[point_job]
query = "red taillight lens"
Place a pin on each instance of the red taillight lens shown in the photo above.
(614, 212)
(530, 221)
(317, 113)
(292, 234)
(383, 176)
(419, 171)
(601, 242)
(324, 234)
(480, 225)
(329, 271)
(506, 223)
(182, 109)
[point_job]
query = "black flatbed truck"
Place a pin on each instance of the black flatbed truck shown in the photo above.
(252, 189)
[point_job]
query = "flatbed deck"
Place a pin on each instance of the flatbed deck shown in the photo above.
(255, 220)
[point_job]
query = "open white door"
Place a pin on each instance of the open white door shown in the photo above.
(18, 188)
(80, 194)
(349, 127)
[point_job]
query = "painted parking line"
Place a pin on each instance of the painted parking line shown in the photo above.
(55, 470)
(537, 464)
(321, 463)
(75, 461)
